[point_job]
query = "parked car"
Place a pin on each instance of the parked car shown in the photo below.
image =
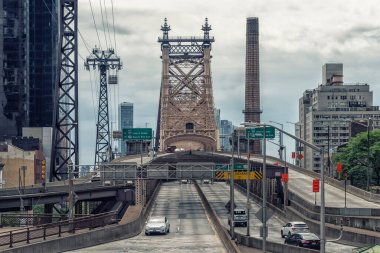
(157, 225)
(306, 240)
(294, 227)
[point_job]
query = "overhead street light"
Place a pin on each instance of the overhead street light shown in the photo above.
(322, 179)
(285, 171)
(298, 144)
(281, 138)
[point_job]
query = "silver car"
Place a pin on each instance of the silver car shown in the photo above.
(157, 225)
(294, 227)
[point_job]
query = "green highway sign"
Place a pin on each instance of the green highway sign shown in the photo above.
(237, 166)
(258, 133)
(137, 134)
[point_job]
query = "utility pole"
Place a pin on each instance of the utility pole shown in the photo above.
(280, 139)
(104, 60)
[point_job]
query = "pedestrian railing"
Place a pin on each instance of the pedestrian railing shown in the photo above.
(56, 229)
(22, 220)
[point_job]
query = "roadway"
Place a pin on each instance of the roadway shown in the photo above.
(218, 195)
(301, 184)
(190, 229)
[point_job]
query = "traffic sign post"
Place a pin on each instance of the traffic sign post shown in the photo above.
(258, 133)
(138, 134)
(315, 189)
(345, 189)
(285, 177)
(339, 167)
(226, 167)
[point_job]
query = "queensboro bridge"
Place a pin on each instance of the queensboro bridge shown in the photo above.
(186, 109)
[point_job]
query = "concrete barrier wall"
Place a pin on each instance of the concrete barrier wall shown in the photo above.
(336, 183)
(244, 240)
(273, 247)
(223, 234)
(333, 231)
(352, 217)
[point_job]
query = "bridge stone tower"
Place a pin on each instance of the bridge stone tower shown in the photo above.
(186, 111)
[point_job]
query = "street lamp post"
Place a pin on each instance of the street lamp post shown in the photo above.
(232, 201)
(285, 171)
(281, 138)
(264, 190)
(298, 144)
(248, 184)
(322, 178)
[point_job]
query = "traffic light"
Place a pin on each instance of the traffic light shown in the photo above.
(43, 169)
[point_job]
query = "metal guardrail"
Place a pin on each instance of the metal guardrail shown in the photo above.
(56, 229)
(16, 220)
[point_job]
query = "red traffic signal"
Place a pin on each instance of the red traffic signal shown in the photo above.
(293, 155)
(339, 167)
(315, 185)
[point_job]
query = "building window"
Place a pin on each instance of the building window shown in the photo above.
(189, 126)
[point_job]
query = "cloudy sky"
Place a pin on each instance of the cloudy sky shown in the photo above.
(296, 38)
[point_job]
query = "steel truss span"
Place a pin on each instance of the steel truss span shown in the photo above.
(186, 115)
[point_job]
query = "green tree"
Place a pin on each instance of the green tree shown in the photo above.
(356, 162)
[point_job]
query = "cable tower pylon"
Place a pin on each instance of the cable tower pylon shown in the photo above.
(65, 146)
(104, 60)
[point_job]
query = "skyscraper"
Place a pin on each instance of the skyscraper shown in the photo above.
(43, 37)
(125, 121)
(252, 109)
(28, 54)
(13, 67)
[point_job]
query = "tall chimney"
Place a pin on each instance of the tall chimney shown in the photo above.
(252, 109)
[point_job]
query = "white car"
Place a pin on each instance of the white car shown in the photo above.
(206, 181)
(157, 225)
(294, 227)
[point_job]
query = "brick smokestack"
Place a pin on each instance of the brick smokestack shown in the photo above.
(252, 109)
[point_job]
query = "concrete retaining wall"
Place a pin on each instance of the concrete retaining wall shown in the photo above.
(333, 231)
(363, 220)
(270, 246)
(336, 183)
